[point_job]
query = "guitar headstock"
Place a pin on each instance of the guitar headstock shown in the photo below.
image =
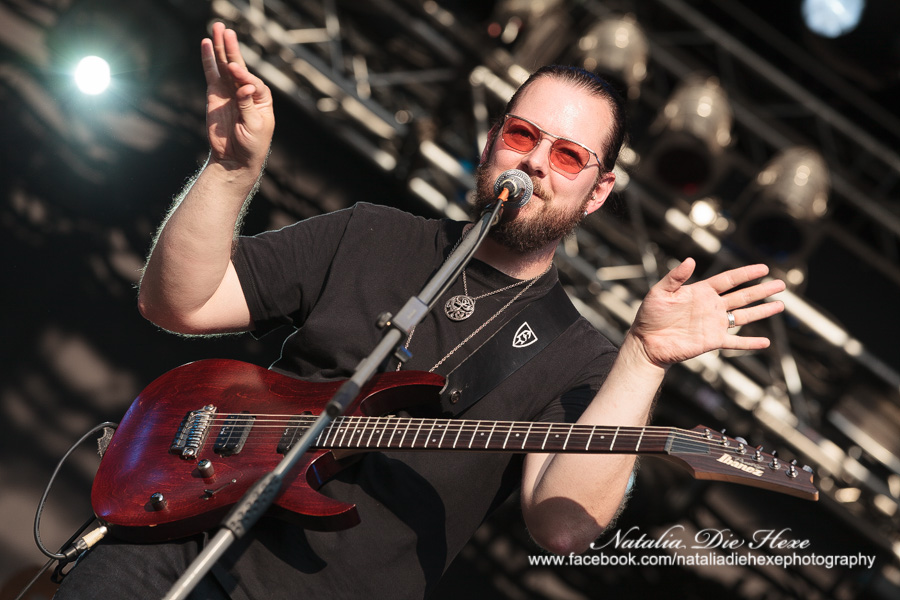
(715, 456)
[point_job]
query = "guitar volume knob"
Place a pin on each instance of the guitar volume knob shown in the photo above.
(206, 469)
(158, 501)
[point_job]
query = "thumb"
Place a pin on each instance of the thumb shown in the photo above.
(675, 278)
(244, 96)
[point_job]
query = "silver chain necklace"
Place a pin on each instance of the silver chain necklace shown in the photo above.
(461, 307)
(530, 283)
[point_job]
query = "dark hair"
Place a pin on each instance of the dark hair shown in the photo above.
(594, 85)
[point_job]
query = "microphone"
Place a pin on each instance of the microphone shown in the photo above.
(519, 186)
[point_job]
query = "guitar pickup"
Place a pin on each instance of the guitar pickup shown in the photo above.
(234, 433)
(295, 429)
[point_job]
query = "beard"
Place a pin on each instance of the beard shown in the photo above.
(525, 235)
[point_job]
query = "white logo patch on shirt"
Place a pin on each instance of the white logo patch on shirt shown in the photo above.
(524, 336)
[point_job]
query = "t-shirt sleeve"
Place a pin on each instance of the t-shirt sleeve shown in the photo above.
(281, 272)
(569, 406)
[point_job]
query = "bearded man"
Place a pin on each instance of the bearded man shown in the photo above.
(329, 277)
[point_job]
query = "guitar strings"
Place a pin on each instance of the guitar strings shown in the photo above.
(359, 426)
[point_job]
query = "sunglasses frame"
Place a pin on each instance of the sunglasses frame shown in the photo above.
(545, 133)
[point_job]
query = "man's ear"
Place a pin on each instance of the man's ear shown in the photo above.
(601, 192)
(491, 136)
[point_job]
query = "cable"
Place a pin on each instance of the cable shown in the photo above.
(46, 566)
(86, 541)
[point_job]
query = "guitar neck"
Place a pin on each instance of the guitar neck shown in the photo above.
(394, 433)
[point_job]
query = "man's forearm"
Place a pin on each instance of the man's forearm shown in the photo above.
(568, 499)
(191, 254)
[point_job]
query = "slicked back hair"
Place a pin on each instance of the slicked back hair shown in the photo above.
(595, 86)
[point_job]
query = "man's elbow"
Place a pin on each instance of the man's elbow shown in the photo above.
(569, 538)
(165, 319)
(562, 526)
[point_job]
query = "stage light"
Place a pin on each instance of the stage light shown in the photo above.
(618, 50)
(797, 180)
(703, 212)
(691, 135)
(832, 18)
(92, 75)
(536, 31)
(100, 47)
(789, 195)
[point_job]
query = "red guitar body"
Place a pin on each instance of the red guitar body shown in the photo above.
(138, 462)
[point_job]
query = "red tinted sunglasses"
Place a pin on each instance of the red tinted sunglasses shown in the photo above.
(566, 156)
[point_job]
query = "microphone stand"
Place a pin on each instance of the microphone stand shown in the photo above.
(257, 499)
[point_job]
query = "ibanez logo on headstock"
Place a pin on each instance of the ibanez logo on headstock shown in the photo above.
(725, 459)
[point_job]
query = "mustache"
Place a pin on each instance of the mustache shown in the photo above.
(539, 189)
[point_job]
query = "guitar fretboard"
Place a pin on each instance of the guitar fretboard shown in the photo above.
(381, 433)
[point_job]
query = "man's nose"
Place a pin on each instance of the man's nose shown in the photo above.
(537, 161)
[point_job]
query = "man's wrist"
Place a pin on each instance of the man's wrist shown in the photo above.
(233, 173)
(635, 355)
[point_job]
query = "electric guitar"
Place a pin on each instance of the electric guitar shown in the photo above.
(200, 435)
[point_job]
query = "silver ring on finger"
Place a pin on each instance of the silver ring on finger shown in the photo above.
(730, 316)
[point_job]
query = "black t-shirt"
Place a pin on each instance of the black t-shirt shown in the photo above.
(330, 277)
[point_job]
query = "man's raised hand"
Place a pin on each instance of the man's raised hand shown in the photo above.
(239, 114)
(677, 321)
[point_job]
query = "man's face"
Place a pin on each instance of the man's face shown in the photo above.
(560, 199)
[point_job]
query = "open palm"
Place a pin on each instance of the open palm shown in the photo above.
(677, 321)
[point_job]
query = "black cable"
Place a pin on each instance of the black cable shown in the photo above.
(72, 551)
(46, 566)
(35, 578)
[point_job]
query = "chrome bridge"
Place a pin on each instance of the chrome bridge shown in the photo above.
(192, 432)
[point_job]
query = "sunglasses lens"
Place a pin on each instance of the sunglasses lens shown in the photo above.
(519, 135)
(568, 157)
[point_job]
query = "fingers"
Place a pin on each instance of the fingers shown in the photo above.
(208, 58)
(736, 342)
(746, 296)
(756, 313)
(750, 315)
(225, 49)
(728, 280)
(675, 278)
(218, 42)
(233, 48)
(251, 89)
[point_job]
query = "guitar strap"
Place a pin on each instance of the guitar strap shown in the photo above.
(507, 350)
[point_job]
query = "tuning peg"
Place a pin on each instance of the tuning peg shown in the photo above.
(757, 456)
(708, 434)
(775, 464)
(724, 439)
(792, 471)
(807, 468)
(741, 440)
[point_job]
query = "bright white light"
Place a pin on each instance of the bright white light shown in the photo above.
(832, 18)
(703, 213)
(92, 75)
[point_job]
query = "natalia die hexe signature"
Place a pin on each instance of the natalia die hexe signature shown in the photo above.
(704, 539)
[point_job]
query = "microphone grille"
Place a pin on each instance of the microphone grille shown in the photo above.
(521, 184)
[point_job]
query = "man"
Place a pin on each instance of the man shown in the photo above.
(329, 277)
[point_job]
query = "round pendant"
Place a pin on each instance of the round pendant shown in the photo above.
(459, 308)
